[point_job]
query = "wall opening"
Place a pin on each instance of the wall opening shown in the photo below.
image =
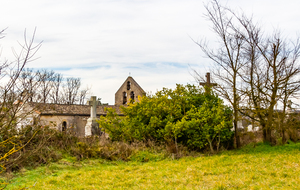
(64, 126)
(132, 96)
(124, 97)
(128, 85)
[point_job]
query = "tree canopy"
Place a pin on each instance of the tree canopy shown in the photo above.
(187, 115)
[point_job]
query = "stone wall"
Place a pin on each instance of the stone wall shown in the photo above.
(73, 124)
(129, 91)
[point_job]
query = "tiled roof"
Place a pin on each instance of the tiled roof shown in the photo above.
(66, 109)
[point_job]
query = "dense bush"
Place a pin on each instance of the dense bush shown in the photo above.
(36, 145)
(46, 145)
(187, 115)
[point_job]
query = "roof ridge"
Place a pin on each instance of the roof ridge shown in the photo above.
(134, 82)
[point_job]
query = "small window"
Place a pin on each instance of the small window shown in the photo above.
(128, 85)
(64, 127)
(124, 97)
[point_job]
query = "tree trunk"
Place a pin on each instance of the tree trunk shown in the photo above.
(267, 135)
(283, 136)
(264, 134)
(211, 146)
(176, 146)
(236, 134)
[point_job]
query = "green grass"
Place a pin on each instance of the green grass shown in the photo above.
(262, 167)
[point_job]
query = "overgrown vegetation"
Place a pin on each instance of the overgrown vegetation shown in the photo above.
(259, 167)
(21, 136)
(167, 125)
(48, 145)
(12, 140)
(51, 146)
(186, 115)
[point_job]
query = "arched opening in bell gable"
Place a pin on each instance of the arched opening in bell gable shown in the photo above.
(132, 96)
(128, 85)
(124, 97)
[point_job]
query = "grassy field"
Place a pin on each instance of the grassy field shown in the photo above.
(261, 167)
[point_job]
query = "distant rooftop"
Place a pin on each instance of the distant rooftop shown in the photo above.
(67, 109)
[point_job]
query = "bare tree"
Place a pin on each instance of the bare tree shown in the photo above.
(83, 95)
(271, 77)
(10, 73)
(254, 72)
(56, 88)
(71, 89)
(29, 84)
(45, 78)
(49, 87)
(228, 57)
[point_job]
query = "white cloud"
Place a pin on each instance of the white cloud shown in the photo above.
(102, 41)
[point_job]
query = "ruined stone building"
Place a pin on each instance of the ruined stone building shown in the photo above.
(74, 118)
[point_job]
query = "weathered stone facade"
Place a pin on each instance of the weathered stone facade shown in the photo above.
(65, 117)
(73, 118)
(128, 92)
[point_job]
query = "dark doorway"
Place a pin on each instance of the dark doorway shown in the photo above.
(64, 127)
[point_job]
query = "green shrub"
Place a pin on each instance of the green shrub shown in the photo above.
(49, 145)
(186, 115)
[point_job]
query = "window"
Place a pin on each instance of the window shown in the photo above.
(64, 126)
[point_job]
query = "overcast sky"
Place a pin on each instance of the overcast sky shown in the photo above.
(102, 41)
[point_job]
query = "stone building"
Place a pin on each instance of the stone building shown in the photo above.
(128, 92)
(63, 117)
(74, 118)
